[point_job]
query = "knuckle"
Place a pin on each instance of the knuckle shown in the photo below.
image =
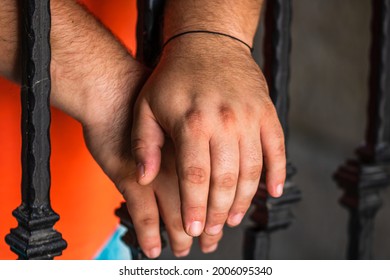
(250, 112)
(226, 181)
(195, 212)
(269, 116)
(209, 240)
(279, 134)
(193, 124)
(251, 173)
(239, 209)
(280, 149)
(176, 225)
(226, 114)
(277, 147)
(148, 243)
(193, 119)
(137, 144)
(245, 199)
(147, 221)
(195, 175)
(217, 216)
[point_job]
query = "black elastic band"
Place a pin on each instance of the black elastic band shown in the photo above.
(209, 32)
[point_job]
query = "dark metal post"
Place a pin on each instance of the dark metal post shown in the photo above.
(363, 178)
(271, 214)
(149, 31)
(35, 238)
(149, 43)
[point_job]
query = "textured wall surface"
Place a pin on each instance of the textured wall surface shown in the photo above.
(330, 69)
(329, 89)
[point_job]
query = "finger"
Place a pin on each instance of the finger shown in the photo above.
(147, 138)
(179, 240)
(193, 169)
(209, 243)
(272, 140)
(224, 153)
(251, 161)
(169, 206)
(142, 207)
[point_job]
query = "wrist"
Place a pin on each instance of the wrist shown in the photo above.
(208, 33)
(90, 69)
(93, 98)
(196, 46)
(245, 37)
(236, 18)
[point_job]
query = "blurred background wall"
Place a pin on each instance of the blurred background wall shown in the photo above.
(329, 90)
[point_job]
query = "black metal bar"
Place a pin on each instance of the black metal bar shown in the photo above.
(149, 31)
(377, 146)
(271, 214)
(35, 238)
(149, 43)
(277, 49)
(363, 178)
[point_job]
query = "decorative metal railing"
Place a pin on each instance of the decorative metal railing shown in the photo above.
(364, 177)
(270, 213)
(35, 237)
(361, 179)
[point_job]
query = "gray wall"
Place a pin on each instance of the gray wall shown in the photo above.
(330, 56)
(329, 89)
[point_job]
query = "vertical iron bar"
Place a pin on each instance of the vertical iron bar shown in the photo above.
(271, 214)
(149, 31)
(363, 178)
(35, 237)
(149, 43)
(377, 146)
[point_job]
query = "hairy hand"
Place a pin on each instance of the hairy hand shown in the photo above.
(107, 135)
(145, 203)
(210, 97)
(95, 80)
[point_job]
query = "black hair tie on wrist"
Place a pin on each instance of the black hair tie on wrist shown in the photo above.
(209, 32)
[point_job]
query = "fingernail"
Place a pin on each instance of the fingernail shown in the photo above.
(182, 253)
(210, 249)
(140, 170)
(214, 230)
(195, 228)
(279, 189)
(236, 219)
(154, 253)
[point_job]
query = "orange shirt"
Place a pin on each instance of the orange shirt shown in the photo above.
(81, 193)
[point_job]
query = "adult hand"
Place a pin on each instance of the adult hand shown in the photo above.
(145, 203)
(95, 80)
(210, 97)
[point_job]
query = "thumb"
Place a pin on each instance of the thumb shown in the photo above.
(147, 139)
